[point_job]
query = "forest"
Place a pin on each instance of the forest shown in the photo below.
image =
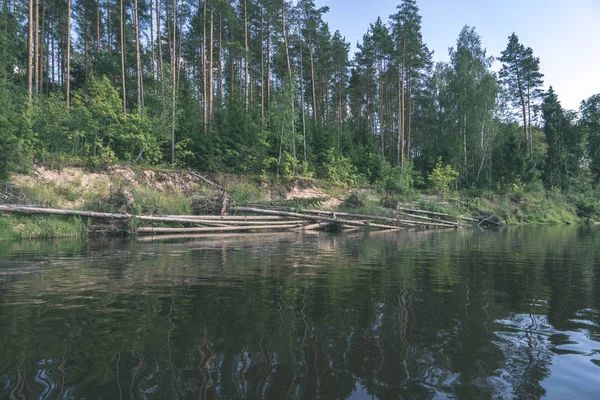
(266, 87)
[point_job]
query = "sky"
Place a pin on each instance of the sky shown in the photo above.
(564, 34)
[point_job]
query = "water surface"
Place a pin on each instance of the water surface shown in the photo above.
(513, 313)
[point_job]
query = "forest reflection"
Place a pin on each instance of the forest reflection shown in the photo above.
(385, 315)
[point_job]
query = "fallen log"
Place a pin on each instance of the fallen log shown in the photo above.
(437, 221)
(227, 217)
(412, 224)
(53, 211)
(210, 222)
(364, 224)
(408, 210)
(151, 230)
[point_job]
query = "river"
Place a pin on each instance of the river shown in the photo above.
(511, 313)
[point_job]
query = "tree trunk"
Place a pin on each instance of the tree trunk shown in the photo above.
(408, 125)
(174, 80)
(220, 83)
(210, 71)
(42, 49)
(285, 40)
(402, 109)
(523, 102)
(108, 27)
(52, 45)
(247, 72)
(85, 42)
(36, 46)
(381, 133)
(140, 96)
(123, 84)
(302, 105)
(97, 30)
(268, 68)
(262, 67)
(68, 74)
(529, 122)
(159, 40)
(204, 78)
(30, 52)
(312, 74)
(154, 69)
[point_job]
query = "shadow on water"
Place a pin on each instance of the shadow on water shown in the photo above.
(468, 314)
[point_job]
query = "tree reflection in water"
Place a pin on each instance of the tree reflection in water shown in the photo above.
(513, 313)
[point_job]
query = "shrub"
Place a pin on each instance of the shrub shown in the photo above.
(338, 169)
(442, 177)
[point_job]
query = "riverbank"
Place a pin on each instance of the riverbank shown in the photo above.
(127, 189)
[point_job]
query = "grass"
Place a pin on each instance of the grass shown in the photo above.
(149, 201)
(41, 227)
(6, 229)
(244, 193)
(45, 227)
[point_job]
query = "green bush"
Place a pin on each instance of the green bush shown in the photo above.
(245, 193)
(399, 179)
(6, 229)
(338, 169)
(442, 177)
(44, 227)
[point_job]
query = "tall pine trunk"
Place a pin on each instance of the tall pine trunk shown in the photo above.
(152, 40)
(285, 40)
(262, 67)
(159, 40)
(204, 78)
(174, 81)
(30, 52)
(52, 46)
(246, 70)
(98, 39)
(381, 131)
(42, 49)
(220, 83)
(402, 94)
(140, 84)
(123, 84)
(68, 74)
(408, 125)
(36, 46)
(312, 74)
(210, 73)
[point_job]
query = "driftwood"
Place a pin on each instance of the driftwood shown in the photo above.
(146, 230)
(227, 217)
(267, 220)
(364, 224)
(412, 224)
(432, 220)
(437, 214)
(53, 211)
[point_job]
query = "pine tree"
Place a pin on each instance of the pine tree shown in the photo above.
(521, 75)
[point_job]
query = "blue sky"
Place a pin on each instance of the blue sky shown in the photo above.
(564, 34)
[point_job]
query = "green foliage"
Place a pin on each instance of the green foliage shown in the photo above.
(288, 166)
(338, 169)
(247, 193)
(152, 202)
(399, 179)
(6, 229)
(13, 131)
(45, 227)
(564, 140)
(590, 120)
(442, 177)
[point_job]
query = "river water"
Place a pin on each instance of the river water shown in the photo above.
(513, 313)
